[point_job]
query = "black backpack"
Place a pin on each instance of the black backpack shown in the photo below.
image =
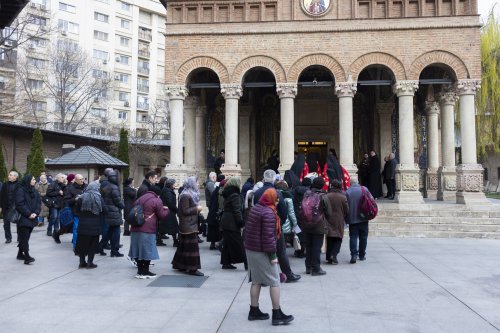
(136, 216)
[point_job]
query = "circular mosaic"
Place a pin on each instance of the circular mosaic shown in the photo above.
(316, 7)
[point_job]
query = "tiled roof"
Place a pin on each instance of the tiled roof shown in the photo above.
(86, 156)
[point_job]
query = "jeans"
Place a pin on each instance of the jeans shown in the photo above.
(313, 250)
(53, 219)
(358, 230)
(282, 256)
(113, 235)
(76, 219)
(24, 234)
(333, 245)
(6, 228)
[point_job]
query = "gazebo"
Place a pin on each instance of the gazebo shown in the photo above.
(86, 160)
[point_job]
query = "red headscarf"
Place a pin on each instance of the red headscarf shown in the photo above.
(268, 199)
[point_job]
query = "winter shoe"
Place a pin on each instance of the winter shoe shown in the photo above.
(20, 255)
(28, 259)
(318, 272)
(279, 318)
(353, 259)
(116, 254)
(91, 265)
(83, 265)
(55, 235)
(256, 314)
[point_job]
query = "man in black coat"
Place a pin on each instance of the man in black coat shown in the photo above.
(219, 161)
(390, 176)
(169, 200)
(150, 180)
(374, 180)
(129, 196)
(113, 213)
(55, 192)
(7, 200)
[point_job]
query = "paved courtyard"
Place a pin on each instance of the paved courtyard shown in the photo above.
(406, 285)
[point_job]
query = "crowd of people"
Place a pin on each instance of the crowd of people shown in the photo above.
(250, 224)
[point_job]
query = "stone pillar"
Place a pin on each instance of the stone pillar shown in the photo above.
(407, 172)
(176, 168)
(190, 105)
(232, 94)
(244, 141)
(287, 93)
(345, 92)
(448, 172)
(432, 183)
(201, 150)
(385, 111)
(469, 173)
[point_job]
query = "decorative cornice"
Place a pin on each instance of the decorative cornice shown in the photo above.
(432, 108)
(346, 89)
(468, 86)
(176, 92)
(405, 88)
(448, 98)
(233, 91)
(286, 90)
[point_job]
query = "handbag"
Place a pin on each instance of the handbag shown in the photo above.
(48, 201)
(13, 216)
(296, 243)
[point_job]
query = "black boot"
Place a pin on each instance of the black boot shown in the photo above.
(256, 314)
(279, 318)
(83, 263)
(56, 235)
(176, 242)
(20, 255)
(28, 260)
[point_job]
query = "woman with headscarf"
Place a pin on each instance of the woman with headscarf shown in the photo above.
(332, 170)
(187, 256)
(233, 250)
(213, 232)
(261, 231)
(291, 179)
(90, 208)
(169, 199)
(300, 167)
(312, 161)
(29, 205)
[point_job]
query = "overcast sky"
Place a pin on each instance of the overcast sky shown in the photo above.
(484, 7)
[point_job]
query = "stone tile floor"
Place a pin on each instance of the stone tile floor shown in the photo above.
(405, 285)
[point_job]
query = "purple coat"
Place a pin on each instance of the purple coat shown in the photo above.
(260, 230)
(153, 209)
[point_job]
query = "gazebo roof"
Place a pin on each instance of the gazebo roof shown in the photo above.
(86, 156)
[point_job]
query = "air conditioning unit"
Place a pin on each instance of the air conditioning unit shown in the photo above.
(118, 59)
(64, 33)
(8, 43)
(127, 104)
(96, 99)
(32, 46)
(105, 62)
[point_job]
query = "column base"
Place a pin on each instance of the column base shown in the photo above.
(432, 183)
(447, 178)
(191, 171)
(282, 168)
(408, 184)
(202, 174)
(177, 172)
(470, 185)
(352, 169)
(231, 170)
(245, 174)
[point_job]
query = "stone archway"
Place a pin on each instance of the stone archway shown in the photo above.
(201, 62)
(378, 58)
(259, 61)
(439, 57)
(316, 59)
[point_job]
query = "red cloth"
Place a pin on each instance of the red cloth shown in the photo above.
(347, 179)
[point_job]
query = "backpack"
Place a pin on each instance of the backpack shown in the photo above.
(311, 213)
(136, 216)
(66, 217)
(368, 208)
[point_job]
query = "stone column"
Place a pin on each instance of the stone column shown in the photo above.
(469, 173)
(201, 150)
(345, 92)
(244, 141)
(407, 172)
(448, 172)
(385, 111)
(190, 105)
(232, 94)
(432, 183)
(287, 93)
(176, 168)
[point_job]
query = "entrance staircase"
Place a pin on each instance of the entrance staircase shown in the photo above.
(436, 219)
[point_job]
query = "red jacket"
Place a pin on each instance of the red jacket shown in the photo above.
(153, 209)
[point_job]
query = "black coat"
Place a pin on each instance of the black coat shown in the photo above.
(390, 169)
(27, 203)
(53, 191)
(7, 195)
(218, 164)
(232, 218)
(170, 225)
(89, 224)
(112, 199)
(70, 194)
(298, 195)
(212, 219)
(145, 187)
(374, 181)
(129, 196)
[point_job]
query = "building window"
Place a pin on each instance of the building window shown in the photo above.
(143, 85)
(102, 55)
(38, 20)
(67, 8)
(68, 45)
(34, 84)
(37, 63)
(142, 117)
(97, 130)
(123, 78)
(124, 41)
(101, 17)
(122, 59)
(145, 34)
(124, 24)
(65, 127)
(123, 115)
(124, 6)
(123, 96)
(38, 42)
(38, 106)
(142, 102)
(143, 67)
(98, 112)
(100, 35)
(145, 17)
(143, 50)
(68, 26)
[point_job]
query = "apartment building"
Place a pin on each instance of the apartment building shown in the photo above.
(124, 39)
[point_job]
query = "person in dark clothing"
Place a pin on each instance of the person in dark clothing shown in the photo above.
(390, 176)
(233, 250)
(336, 214)
(210, 187)
(161, 227)
(150, 179)
(298, 195)
(358, 225)
(213, 231)
(169, 200)
(55, 192)
(291, 179)
(269, 177)
(333, 170)
(363, 168)
(7, 200)
(374, 181)
(113, 215)
(129, 196)
(246, 187)
(219, 161)
(89, 207)
(28, 204)
(273, 162)
(312, 161)
(300, 167)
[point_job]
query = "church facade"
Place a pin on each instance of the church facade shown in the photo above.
(396, 76)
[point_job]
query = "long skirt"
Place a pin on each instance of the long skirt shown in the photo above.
(143, 246)
(187, 256)
(213, 233)
(86, 244)
(261, 270)
(233, 250)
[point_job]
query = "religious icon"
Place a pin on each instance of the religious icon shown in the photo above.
(316, 7)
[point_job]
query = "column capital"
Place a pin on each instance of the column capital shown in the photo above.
(177, 91)
(233, 91)
(191, 102)
(346, 89)
(201, 111)
(385, 108)
(468, 86)
(286, 90)
(448, 98)
(405, 88)
(432, 108)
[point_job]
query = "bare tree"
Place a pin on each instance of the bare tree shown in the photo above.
(158, 126)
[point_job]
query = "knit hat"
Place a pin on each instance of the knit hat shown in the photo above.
(70, 177)
(269, 176)
(318, 183)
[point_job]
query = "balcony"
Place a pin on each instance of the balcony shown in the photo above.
(142, 70)
(144, 53)
(143, 106)
(145, 35)
(142, 88)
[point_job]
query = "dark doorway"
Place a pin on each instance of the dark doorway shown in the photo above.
(314, 151)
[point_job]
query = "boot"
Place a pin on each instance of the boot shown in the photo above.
(55, 235)
(279, 318)
(176, 242)
(20, 255)
(28, 259)
(256, 314)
